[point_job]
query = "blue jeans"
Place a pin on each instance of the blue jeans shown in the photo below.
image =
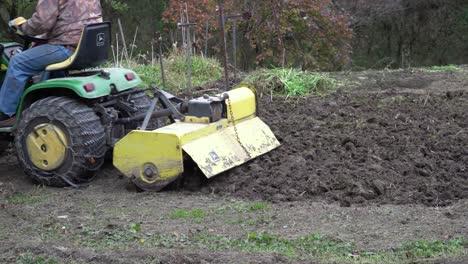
(22, 67)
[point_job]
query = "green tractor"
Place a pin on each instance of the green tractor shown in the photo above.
(66, 120)
(69, 119)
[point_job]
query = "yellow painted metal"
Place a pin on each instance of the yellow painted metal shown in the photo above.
(242, 103)
(194, 119)
(213, 146)
(219, 152)
(47, 146)
(161, 147)
(140, 148)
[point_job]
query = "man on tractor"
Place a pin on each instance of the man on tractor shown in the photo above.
(61, 23)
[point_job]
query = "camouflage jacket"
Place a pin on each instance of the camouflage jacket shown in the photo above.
(62, 21)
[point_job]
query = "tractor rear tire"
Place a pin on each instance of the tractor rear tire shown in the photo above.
(5, 142)
(60, 142)
(142, 103)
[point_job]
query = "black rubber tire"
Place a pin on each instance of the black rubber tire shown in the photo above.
(5, 141)
(84, 131)
(3, 147)
(142, 102)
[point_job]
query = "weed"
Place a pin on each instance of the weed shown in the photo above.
(117, 237)
(392, 100)
(310, 247)
(291, 82)
(258, 206)
(28, 258)
(318, 247)
(425, 249)
(175, 66)
(245, 207)
(441, 68)
(315, 245)
(196, 215)
(135, 228)
(25, 198)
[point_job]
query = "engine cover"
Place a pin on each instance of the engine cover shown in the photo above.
(206, 107)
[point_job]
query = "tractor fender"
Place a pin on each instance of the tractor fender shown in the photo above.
(86, 87)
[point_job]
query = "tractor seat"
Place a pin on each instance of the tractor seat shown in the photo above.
(92, 50)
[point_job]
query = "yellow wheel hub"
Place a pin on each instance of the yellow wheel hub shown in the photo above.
(47, 146)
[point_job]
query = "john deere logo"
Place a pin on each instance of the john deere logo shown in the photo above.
(214, 156)
(100, 39)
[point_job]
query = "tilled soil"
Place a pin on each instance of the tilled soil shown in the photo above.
(392, 145)
(384, 146)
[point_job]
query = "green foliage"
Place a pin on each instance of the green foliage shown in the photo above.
(135, 228)
(290, 82)
(25, 198)
(110, 236)
(318, 247)
(464, 17)
(18, 7)
(425, 249)
(195, 215)
(310, 247)
(442, 68)
(203, 70)
(309, 33)
(29, 258)
(314, 244)
(117, 5)
(258, 206)
(246, 207)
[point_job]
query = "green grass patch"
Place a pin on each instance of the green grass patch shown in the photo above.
(290, 82)
(319, 248)
(25, 198)
(244, 213)
(175, 67)
(29, 258)
(245, 207)
(313, 247)
(196, 215)
(428, 249)
(442, 68)
(115, 237)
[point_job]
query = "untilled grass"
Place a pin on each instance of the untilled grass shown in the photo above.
(427, 249)
(236, 213)
(245, 207)
(175, 67)
(196, 215)
(26, 198)
(109, 236)
(309, 247)
(441, 68)
(290, 82)
(102, 236)
(30, 258)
